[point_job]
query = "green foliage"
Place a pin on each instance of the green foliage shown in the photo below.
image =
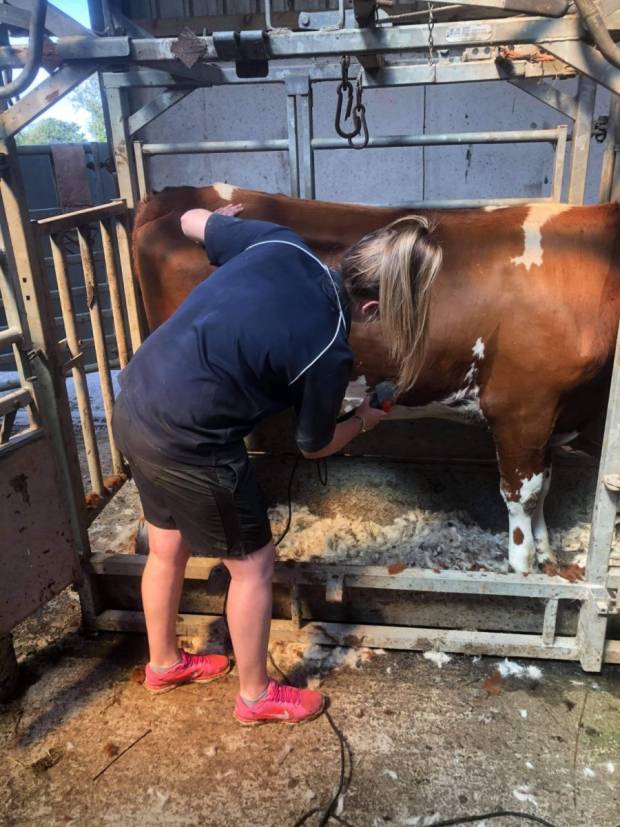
(51, 131)
(87, 99)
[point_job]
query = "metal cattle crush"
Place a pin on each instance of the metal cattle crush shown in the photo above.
(44, 508)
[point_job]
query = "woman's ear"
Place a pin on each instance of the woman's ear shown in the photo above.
(370, 310)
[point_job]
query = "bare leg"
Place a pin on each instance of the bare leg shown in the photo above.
(249, 617)
(162, 583)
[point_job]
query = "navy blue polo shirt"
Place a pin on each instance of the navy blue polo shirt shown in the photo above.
(237, 349)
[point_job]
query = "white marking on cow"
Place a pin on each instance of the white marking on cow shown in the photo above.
(537, 217)
(493, 207)
(521, 545)
(478, 348)
(225, 191)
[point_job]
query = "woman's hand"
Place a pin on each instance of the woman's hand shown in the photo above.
(371, 416)
(230, 209)
(194, 222)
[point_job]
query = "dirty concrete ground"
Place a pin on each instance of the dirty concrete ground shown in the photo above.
(426, 743)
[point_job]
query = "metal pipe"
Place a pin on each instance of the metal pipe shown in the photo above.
(105, 378)
(10, 335)
(33, 62)
(12, 401)
(77, 371)
(107, 241)
(130, 289)
(195, 147)
(597, 28)
(454, 139)
(465, 203)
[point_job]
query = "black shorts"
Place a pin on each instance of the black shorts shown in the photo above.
(218, 506)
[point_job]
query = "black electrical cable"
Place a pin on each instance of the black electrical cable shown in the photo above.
(321, 467)
(289, 495)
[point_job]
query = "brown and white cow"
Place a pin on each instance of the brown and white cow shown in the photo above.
(523, 318)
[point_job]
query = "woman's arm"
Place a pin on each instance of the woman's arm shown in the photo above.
(364, 419)
(194, 222)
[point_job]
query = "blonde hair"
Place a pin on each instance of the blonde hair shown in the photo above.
(398, 264)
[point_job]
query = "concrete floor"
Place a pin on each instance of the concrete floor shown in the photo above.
(426, 743)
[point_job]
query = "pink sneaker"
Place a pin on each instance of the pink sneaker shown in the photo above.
(191, 669)
(284, 704)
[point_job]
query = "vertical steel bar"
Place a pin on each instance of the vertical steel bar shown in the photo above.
(11, 305)
(79, 377)
(96, 319)
(107, 241)
(592, 626)
(140, 169)
(550, 621)
(610, 169)
(130, 288)
(580, 144)
(293, 157)
(121, 142)
(558, 163)
(307, 159)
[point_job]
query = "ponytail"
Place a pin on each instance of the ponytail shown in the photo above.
(399, 263)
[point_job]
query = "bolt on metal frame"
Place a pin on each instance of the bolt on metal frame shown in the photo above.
(81, 55)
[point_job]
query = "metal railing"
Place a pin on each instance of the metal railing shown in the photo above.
(111, 222)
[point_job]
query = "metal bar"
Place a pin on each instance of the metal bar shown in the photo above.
(79, 218)
(550, 621)
(448, 71)
(105, 377)
(79, 378)
(14, 400)
(140, 169)
(404, 638)
(287, 44)
(151, 110)
(56, 21)
(592, 625)
(586, 60)
(559, 162)
(7, 426)
(304, 106)
(582, 135)
(121, 141)
(109, 254)
(610, 170)
(36, 34)
(453, 139)
(11, 335)
(552, 96)
(465, 203)
(130, 288)
(293, 155)
(195, 147)
(42, 97)
(377, 577)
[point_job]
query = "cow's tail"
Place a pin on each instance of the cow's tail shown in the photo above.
(409, 265)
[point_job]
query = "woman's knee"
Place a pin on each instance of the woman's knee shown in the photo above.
(257, 566)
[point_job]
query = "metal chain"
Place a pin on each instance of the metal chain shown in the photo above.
(431, 43)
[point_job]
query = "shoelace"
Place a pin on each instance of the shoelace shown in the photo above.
(285, 694)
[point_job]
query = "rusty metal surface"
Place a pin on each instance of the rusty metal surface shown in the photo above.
(36, 551)
(72, 182)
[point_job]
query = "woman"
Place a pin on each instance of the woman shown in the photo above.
(267, 331)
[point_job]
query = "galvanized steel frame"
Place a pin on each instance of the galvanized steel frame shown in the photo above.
(81, 55)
